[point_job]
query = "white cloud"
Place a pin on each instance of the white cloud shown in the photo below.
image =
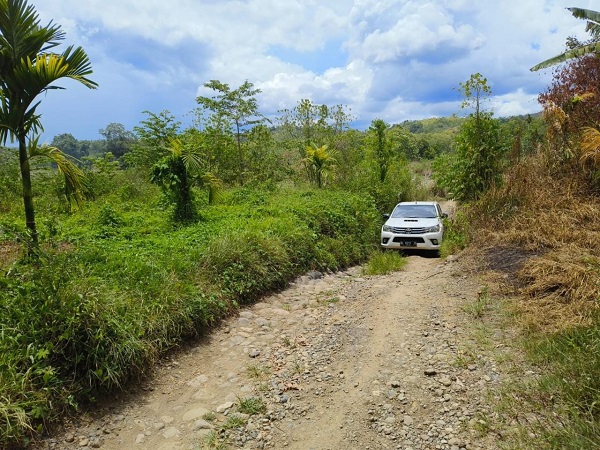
(515, 104)
(414, 30)
(394, 59)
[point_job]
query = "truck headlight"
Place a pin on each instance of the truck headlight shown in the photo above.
(434, 229)
(387, 228)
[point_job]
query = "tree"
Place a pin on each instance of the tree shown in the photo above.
(476, 165)
(310, 123)
(28, 68)
(155, 133)
(119, 141)
(578, 49)
(573, 96)
(381, 146)
(177, 173)
(263, 156)
(319, 163)
(239, 106)
(67, 143)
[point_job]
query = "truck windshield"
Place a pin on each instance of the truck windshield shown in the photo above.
(415, 212)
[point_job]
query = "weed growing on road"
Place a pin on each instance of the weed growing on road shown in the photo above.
(257, 372)
(234, 422)
(384, 262)
(210, 416)
(287, 342)
(212, 441)
(298, 368)
(251, 405)
(327, 298)
(465, 358)
(480, 306)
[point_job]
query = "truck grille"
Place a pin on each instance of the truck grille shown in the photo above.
(398, 230)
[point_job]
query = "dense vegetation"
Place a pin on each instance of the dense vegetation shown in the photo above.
(182, 226)
(117, 286)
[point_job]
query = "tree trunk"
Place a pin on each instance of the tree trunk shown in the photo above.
(32, 244)
(240, 155)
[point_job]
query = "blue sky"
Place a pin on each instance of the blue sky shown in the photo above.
(389, 59)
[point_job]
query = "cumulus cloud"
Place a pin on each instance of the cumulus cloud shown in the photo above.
(413, 30)
(394, 59)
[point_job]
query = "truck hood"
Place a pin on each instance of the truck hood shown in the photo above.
(412, 223)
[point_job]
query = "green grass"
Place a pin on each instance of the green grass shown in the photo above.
(251, 405)
(384, 262)
(212, 441)
(480, 306)
(234, 422)
(257, 372)
(566, 397)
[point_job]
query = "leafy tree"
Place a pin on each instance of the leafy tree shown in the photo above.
(154, 135)
(212, 135)
(265, 162)
(306, 123)
(29, 68)
(118, 140)
(577, 49)
(476, 165)
(381, 147)
(403, 143)
(309, 123)
(67, 143)
(239, 106)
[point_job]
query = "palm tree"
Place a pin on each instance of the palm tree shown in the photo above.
(593, 27)
(29, 68)
(178, 172)
(319, 163)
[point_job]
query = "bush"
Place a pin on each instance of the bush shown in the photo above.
(456, 234)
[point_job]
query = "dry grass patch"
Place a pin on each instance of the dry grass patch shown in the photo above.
(9, 253)
(542, 230)
(560, 289)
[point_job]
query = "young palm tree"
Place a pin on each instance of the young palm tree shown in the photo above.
(593, 27)
(319, 163)
(177, 173)
(29, 68)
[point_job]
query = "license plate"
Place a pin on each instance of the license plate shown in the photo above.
(408, 243)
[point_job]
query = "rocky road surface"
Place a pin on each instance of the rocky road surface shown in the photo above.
(336, 361)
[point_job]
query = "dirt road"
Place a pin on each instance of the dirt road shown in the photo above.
(337, 361)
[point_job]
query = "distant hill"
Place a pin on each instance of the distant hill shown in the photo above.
(433, 125)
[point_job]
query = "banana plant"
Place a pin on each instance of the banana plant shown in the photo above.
(593, 27)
